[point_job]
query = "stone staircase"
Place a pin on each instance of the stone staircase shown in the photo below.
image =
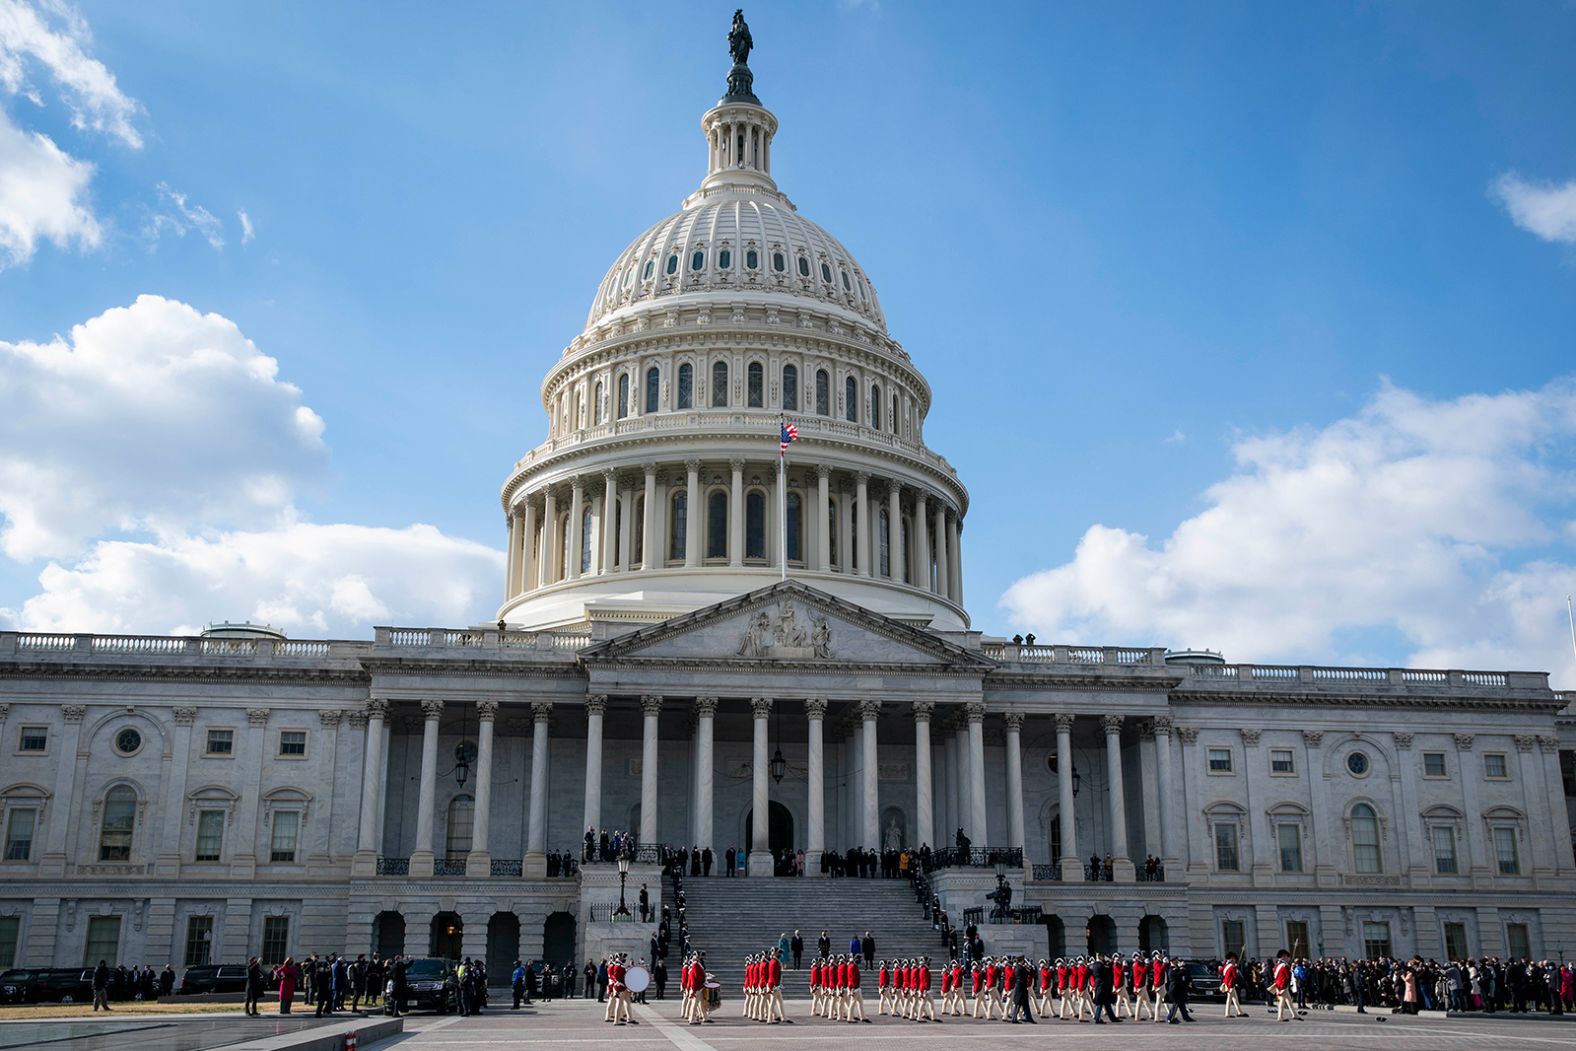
(730, 918)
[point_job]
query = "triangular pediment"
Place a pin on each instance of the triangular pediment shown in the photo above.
(789, 622)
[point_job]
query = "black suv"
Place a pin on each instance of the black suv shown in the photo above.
(14, 983)
(430, 985)
(1203, 982)
(43, 985)
(215, 978)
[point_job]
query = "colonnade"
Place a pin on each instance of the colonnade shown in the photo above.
(961, 750)
(840, 521)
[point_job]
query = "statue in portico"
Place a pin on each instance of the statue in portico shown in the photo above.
(789, 633)
(892, 839)
(757, 638)
(821, 638)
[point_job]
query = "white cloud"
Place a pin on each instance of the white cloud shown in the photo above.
(1439, 523)
(1547, 210)
(248, 233)
(149, 417)
(331, 581)
(181, 214)
(1176, 437)
(43, 195)
(58, 41)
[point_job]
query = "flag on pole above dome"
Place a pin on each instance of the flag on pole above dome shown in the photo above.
(790, 434)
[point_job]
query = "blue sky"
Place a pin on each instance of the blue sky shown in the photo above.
(1250, 326)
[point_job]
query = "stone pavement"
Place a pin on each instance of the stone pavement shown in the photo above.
(576, 1024)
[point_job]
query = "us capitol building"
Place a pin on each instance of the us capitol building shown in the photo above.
(206, 798)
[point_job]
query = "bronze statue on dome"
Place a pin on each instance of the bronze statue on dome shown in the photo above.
(739, 42)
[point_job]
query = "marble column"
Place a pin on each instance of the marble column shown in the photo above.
(823, 527)
(815, 841)
(626, 529)
(1121, 857)
(760, 863)
(550, 559)
(870, 801)
(609, 521)
(1164, 785)
(1560, 832)
(705, 720)
(421, 859)
(528, 568)
(924, 806)
(649, 540)
(535, 863)
(173, 774)
(960, 784)
(478, 863)
(512, 555)
(366, 860)
(736, 514)
(894, 531)
(651, 708)
(954, 561)
(943, 575)
(979, 833)
(1071, 863)
(577, 495)
(1014, 744)
(921, 543)
(692, 500)
(862, 495)
(596, 708)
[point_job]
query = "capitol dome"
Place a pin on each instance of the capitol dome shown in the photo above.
(659, 488)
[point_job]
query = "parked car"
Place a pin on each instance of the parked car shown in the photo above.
(1203, 983)
(214, 978)
(431, 984)
(43, 985)
(14, 983)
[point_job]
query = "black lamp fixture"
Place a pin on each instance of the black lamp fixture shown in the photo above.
(464, 752)
(1077, 781)
(778, 765)
(623, 876)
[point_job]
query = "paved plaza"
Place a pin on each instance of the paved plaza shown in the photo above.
(577, 1024)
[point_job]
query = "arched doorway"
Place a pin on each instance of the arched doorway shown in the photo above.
(558, 938)
(388, 934)
(1056, 936)
(503, 946)
(1102, 934)
(779, 833)
(445, 938)
(1154, 935)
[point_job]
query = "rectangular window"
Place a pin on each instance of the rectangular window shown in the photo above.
(1505, 851)
(1518, 941)
(1433, 764)
(292, 742)
(1494, 766)
(1456, 941)
(34, 739)
(210, 835)
(276, 939)
(1288, 837)
(10, 933)
(1376, 939)
(1231, 937)
(199, 940)
(1220, 760)
(282, 842)
(1297, 937)
(1226, 846)
(1282, 761)
(1444, 838)
(221, 742)
(19, 834)
(103, 941)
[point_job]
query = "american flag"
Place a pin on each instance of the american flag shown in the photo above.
(790, 434)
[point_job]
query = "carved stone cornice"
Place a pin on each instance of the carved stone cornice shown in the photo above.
(1463, 742)
(1013, 721)
(760, 707)
(815, 707)
(1063, 721)
(1187, 734)
(974, 712)
(823, 470)
(358, 720)
(692, 466)
(1403, 741)
(377, 708)
(541, 711)
(73, 713)
(185, 714)
(1111, 724)
(1250, 737)
(1526, 742)
(706, 707)
(736, 464)
(651, 704)
(258, 716)
(869, 709)
(1313, 738)
(330, 717)
(923, 710)
(1160, 726)
(432, 709)
(486, 711)
(596, 704)
(1549, 743)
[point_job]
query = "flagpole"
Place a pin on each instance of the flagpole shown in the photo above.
(782, 495)
(1572, 614)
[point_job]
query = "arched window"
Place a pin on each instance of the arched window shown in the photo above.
(779, 262)
(795, 527)
(804, 267)
(596, 403)
(883, 543)
(1367, 856)
(686, 386)
(678, 525)
(823, 393)
(755, 384)
(752, 259)
(894, 414)
(637, 542)
(120, 821)
(846, 286)
(831, 529)
(791, 387)
(462, 820)
(719, 385)
(673, 263)
(724, 259)
(875, 406)
(563, 544)
(698, 260)
(826, 273)
(623, 395)
(851, 400)
(717, 525)
(902, 573)
(653, 388)
(854, 554)
(755, 524)
(586, 541)
(617, 504)
(651, 268)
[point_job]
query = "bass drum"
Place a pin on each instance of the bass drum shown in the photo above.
(638, 979)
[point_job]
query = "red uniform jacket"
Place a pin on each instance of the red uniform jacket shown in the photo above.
(774, 973)
(1140, 972)
(1157, 975)
(853, 976)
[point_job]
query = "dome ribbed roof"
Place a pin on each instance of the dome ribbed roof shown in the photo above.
(792, 257)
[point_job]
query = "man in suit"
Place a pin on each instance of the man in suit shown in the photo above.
(867, 945)
(730, 860)
(823, 945)
(796, 946)
(705, 861)
(1023, 979)
(1100, 989)
(1176, 991)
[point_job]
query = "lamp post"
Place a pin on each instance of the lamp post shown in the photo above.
(623, 876)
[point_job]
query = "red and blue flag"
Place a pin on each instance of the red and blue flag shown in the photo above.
(790, 434)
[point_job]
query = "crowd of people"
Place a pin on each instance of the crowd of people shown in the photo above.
(130, 983)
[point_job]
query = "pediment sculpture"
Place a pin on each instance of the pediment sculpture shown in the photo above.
(782, 637)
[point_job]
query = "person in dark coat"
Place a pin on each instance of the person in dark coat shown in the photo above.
(1102, 992)
(323, 988)
(101, 986)
(400, 988)
(1021, 977)
(823, 945)
(1176, 991)
(167, 980)
(254, 985)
